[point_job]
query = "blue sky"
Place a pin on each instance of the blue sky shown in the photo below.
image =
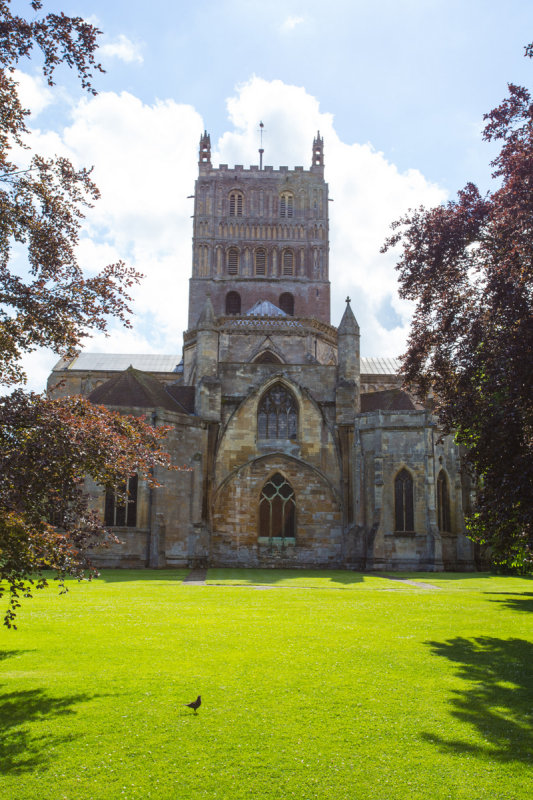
(398, 88)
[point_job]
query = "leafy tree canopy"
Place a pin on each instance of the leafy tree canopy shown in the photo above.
(48, 446)
(468, 266)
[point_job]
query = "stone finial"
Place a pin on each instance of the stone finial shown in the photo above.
(348, 322)
(207, 320)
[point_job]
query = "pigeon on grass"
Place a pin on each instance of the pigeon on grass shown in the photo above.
(195, 704)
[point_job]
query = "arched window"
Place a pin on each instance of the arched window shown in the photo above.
(260, 261)
(121, 505)
(286, 204)
(277, 414)
(286, 303)
(236, 203)
(267, 358)
(233, 303)
(443, 502)
(277, 509)
(403, 502)
(288, 262)
(233, 261)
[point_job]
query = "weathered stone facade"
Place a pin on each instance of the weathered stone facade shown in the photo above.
(298, 452)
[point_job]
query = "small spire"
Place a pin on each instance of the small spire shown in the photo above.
(348, 322)
(207, 320)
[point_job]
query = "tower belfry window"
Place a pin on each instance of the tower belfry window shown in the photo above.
(235, 204)
(288, 262)
(260, 261)
(233, 261)
(286, 203)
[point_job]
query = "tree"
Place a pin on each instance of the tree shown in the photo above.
(48, 446)
(468, 266)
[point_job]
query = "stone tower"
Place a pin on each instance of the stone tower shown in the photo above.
(260, 234)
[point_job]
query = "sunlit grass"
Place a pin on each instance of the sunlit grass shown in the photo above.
(393, 692)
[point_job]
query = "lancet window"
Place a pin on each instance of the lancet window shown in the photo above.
(403, 501)
(443, 502)
(121, 504)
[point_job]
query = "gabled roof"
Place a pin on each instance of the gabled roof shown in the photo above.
(264, 308)
(380, 366)
(387, 400)
(117, 362)
(134, 388)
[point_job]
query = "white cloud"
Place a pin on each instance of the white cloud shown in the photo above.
(145, 159)
(33, 92)
(290, 24)
(123, 49)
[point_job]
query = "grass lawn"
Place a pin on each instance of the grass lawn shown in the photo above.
(326, 685)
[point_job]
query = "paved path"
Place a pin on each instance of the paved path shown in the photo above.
(411, 583)
(196, 577)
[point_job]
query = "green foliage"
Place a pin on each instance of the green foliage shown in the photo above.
(468, 266)
(48, 446)
(374, 690)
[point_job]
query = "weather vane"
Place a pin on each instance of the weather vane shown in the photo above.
(261, 151)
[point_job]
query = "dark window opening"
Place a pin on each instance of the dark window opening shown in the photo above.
(233, 303)
(286, 303)
(443, 502)
(277, 509)
(121, 504)
(403, 502)
(277, 415)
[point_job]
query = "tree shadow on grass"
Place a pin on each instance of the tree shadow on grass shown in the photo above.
(270, 577)
(497, 700)
(21, 749)
(516, 601)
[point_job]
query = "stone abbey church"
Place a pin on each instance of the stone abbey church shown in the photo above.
(300, 452)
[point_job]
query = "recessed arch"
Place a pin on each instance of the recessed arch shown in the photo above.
(267, 357)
